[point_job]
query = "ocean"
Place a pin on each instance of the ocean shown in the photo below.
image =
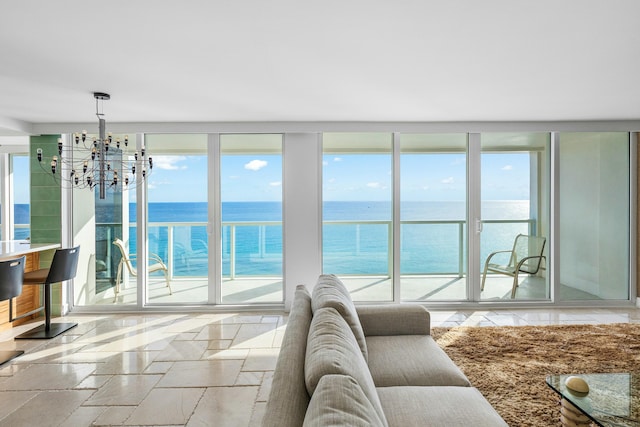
(356, 235)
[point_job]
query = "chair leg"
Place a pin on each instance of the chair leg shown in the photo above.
(166, 278)
(118, 278)
(484, 277)
(47, 330)
(515, 285)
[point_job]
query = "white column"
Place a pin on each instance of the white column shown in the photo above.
(302, 211)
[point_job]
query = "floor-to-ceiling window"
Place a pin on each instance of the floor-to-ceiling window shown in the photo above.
(21, 195)
(433, 212)
(177, 216)
(251, 233)
(437, 175)
(357, 193)
(594, 216)
(515, 202)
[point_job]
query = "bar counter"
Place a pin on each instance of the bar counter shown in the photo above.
(29, 300)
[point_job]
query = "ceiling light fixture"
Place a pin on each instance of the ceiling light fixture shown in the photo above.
(98, 162)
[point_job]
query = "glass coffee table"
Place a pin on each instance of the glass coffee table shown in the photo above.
(613, 400)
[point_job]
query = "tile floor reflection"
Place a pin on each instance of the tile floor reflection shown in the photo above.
(182, 369)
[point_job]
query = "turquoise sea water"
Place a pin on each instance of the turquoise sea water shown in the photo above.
(356, 235)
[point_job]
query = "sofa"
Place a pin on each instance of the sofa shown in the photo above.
(375, 365)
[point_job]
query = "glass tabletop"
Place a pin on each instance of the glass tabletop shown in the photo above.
(612, 400)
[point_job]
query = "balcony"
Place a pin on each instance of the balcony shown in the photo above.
(433, 261)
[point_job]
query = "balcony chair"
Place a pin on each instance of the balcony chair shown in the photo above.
(127, 259)
(11, 272)
(525, 257)
(63, 267)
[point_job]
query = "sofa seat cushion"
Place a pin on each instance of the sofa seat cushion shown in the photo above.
(339, 401)
(438, 407)
(414, 360)
(331, 292)
(332, 349)
(288, 398)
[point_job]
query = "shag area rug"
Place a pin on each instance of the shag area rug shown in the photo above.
(509, 365)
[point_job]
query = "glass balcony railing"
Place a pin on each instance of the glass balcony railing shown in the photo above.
(349, 247)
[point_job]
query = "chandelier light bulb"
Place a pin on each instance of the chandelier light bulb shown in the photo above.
(84, 135)
(39, 154)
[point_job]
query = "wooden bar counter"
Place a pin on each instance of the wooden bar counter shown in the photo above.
(29, 300)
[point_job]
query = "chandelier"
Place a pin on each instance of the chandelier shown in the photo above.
(100, 161)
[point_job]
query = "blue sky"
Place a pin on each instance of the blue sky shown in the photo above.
(424, 177)
(364, 177)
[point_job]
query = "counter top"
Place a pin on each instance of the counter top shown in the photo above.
(14, 248)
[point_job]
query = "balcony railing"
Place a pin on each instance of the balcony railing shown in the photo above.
(435, 247)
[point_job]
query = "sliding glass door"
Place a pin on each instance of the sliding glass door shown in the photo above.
(594, 216)
(514, 216)
(251, 226)
(433, 217)
(357, 232)
(177, 216)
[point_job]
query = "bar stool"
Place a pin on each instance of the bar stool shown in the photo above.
(11, 272)
(63, 267)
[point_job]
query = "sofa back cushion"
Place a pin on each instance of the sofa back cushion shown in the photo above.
(331, 292)
(340, 401)
(332, 349)
(288, 398)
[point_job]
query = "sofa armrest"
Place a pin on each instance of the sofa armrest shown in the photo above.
(394, 319)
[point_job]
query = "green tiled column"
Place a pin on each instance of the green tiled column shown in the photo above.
(46, 222)
(46, 217)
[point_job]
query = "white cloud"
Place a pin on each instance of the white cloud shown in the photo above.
(325, 163)
(447, 180)
(168, 162)
(376, 185)
(507, 168)
(255, 165)
(275, 184)
(337, 159)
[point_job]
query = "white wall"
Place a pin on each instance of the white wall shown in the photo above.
(302, 219)
(84, 234)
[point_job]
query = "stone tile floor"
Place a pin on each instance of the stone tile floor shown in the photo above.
(182, 369)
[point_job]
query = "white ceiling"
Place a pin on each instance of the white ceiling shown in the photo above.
(330, 60)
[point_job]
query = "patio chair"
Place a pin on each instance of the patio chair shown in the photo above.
(525, 257)
(126, 260)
